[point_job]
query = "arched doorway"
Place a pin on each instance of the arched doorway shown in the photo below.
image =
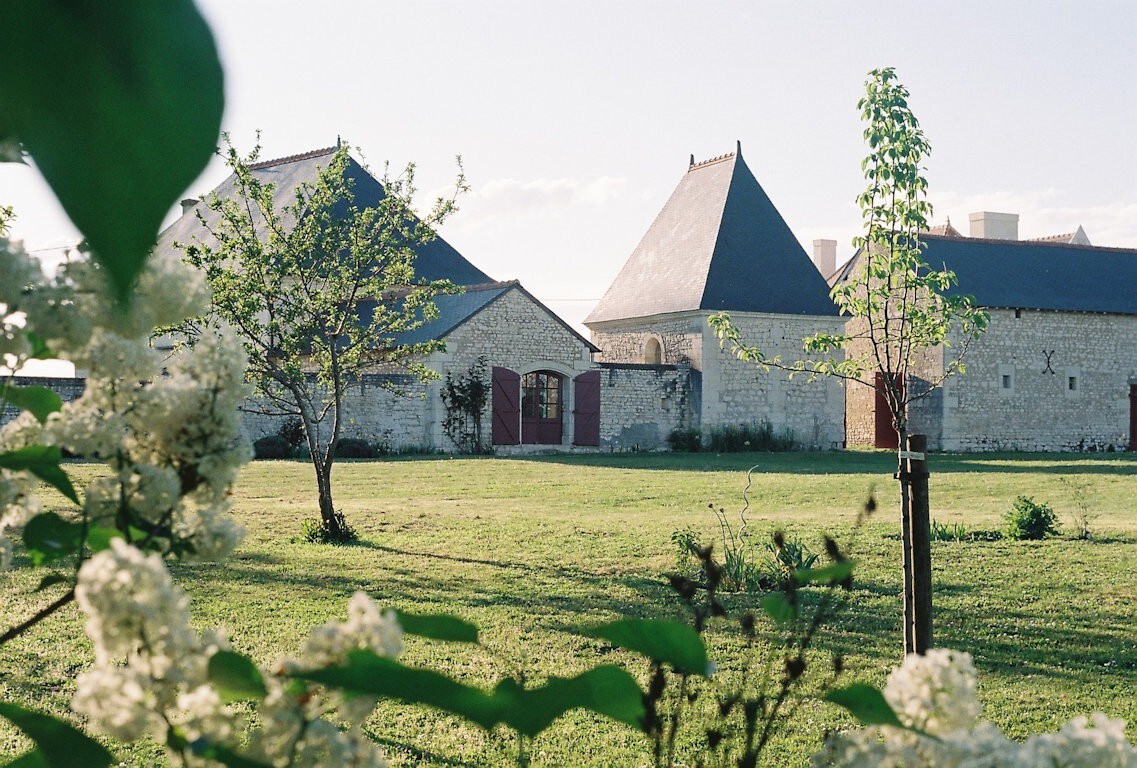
(542, 412)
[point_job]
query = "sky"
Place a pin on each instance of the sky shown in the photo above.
(575, 121)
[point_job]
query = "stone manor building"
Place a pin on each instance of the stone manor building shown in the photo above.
(1056, 369)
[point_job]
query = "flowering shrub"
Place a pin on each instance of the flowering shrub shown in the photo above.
(937, 725)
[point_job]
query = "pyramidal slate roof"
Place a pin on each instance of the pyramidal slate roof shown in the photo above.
(1033, 274)
(718, 244)
(435, 260)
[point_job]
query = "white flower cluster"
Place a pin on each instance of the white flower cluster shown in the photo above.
(151, 672)
(150, 666)
(934, 696)
(168, 428)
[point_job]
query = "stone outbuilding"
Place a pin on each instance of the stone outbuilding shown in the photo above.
(719, 244)
(1056, 369)
(546, 389)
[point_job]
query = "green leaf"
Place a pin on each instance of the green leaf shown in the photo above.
(827, 574)
(779, 608)
(49, 537)
(438, 627)
(120, 106)
(864, 703)
(606, 690)
(666, 641)
(40, 349)
(40, 402)
(51, 580)
(42, 461)
(368, 673)
(59, 744)
(99, 538)
(235, 677)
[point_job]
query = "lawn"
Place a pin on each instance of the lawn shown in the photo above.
(532, 549)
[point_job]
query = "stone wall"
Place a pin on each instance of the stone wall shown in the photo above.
(1040, 352)
(641, 404)
(382, 408)
(68, 389)
(736, 392)
(680, 337)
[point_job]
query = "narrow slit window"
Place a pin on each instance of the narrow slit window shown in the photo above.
(1006, 381)
(1072, 383)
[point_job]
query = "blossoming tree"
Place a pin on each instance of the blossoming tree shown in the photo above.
(291, 280)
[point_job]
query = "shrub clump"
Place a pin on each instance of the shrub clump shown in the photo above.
(688, 440)
(354, 448)
(272, 447)
(735, 438)
(315, 531)
(1028, 519)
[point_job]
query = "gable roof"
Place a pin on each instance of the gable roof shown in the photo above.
(435, 260)
(718, 244)
(1033, 274)
(455, 310)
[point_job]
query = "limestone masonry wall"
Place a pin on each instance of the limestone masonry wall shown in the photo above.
(382, 408)
(641, 404)
(680, 339)
(1042, 409)
(736, 392)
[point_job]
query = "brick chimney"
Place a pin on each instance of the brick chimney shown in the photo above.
(825, 256)
(994, 226)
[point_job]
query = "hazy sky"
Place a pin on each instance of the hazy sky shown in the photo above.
(575, 120)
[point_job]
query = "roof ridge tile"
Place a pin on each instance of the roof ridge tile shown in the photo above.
(292, 158)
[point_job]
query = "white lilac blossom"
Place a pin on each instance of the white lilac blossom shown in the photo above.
(151, 672)
(935, 694)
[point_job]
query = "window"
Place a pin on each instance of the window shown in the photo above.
(1073, 386)
(1006, 380)
(653, 352)
(1018, 314)
(541, 395)
(541, 408)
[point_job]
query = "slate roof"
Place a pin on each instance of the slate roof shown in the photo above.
(435, 260)
(456, 309)
(718, 244)
(1033, 274)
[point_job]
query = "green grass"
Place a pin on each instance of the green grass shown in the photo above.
(532, 549)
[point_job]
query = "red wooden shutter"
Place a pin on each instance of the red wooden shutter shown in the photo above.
(506, 409)
(587, 409)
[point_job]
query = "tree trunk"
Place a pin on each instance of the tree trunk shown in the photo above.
(915, 542)
(324, 486)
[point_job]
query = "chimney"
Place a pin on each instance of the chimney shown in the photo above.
(994, 226)
(825, 256)
(188, 204)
